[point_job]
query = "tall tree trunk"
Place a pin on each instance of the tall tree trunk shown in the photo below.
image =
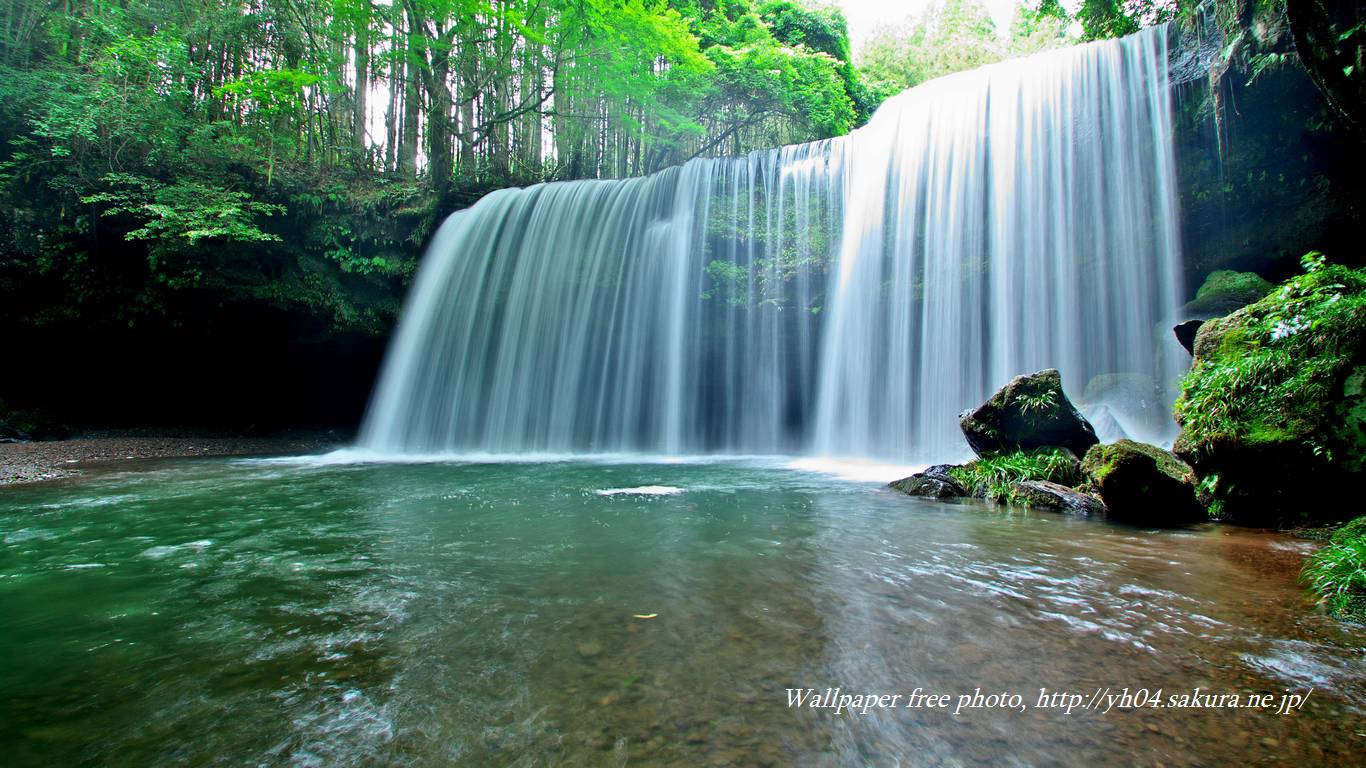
(362, 50)
(412, 103)
(439, 122)
(469, 74)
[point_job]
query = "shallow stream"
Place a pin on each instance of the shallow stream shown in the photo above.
(246, 612)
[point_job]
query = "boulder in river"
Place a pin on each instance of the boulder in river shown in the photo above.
(934, 483)
(1032, 411)
(1045, 495)
(1143, 484)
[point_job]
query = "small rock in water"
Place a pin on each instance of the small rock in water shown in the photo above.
(930, 485)
(589, 649)
(1046, 495)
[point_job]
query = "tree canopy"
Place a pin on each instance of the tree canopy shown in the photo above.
(298, 151)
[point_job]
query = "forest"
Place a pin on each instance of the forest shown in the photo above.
(238, 170)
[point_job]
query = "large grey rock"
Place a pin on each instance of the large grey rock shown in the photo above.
(1031, 411)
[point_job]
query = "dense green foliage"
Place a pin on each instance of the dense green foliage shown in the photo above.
(163, 156)
(1278, 364)
(1277, 387)
(1337, 572)
(994, 476)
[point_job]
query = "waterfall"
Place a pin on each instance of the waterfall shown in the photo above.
(843, 297)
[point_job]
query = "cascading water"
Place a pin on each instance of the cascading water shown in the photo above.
(845, 297)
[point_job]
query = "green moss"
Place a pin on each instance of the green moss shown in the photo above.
(1275, 392)
(1101, 460)
(1337, 572)
(993, 476)
(1225, 291)
(1270, 375)
(1226, 284)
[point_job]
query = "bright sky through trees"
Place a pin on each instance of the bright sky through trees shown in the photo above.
(866, 16)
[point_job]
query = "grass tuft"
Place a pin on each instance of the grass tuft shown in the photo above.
(1337, 572)
(994, 476)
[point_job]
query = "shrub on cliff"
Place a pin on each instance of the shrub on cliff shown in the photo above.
(1272, 412)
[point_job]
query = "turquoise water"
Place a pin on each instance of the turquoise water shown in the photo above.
(216, 612)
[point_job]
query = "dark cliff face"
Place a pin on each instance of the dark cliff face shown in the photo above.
(1267, 171)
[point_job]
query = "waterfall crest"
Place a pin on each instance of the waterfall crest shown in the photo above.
(845, 297)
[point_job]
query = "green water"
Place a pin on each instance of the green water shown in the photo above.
(232, 613)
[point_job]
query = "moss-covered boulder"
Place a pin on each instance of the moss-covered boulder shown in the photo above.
(1227, 333)
(1031, 411)
(933, 483)
(1143, 484)
(1273, 412)
(1042, 494)
(1225, 291)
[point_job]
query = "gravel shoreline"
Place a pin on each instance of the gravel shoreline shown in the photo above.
(40, 461)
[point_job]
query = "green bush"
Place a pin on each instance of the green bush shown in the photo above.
(994, 475)
(1337, 572)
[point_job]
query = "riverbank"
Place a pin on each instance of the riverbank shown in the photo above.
(45, 460)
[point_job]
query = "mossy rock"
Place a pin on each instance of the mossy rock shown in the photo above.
(1042, 494)
(1029, 412)
(1227, 335)
(930, 486)
(1273, 412)
(1225, 291)
(1143, 484)
(1351, 421)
